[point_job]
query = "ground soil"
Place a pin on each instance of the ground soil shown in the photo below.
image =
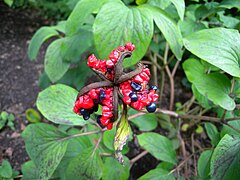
(18, 77)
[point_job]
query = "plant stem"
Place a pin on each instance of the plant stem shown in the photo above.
(78, 135)
(97, 145)
(136, 158)
(170, 78)
(175, 68)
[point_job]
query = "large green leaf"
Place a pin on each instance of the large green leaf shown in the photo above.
(189, 26)
(163, 4)
(73, 46)
(230, 4)
(54, 65)
(86, 165)
(46, 146)
(204, 164)
(147, 122)
(43, 34)
(218, 46)
(214, 86)
(230, 131)
(112, 29)
(169, 29)
(56, 104)
(225, 161)
(202, 99)
(157, 174)
(159, 146)
(113, 170)
(180, 6)
(29, 171)
(80, 13)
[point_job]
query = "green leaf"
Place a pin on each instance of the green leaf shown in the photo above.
(4, 115)
(163, 4)
(156, 174)
(228, 21)
(29, 171)
(230, 4)
(11, 117)
(203, 165)
(42, 34)
(225, 160)
(121, 135)
(131, 24)
(32, 115)
(215, 86)
(159, 146)
(212, 133)
(236, 89)
(108, 138)
(147, 122)
(230, 131)
(202, 99)
(6, 170)
(139, 2)
(86, 166)
(217, 46)
(74, 46)
(56, 104)
(9, 2)
(113, 170)
(80, 13)
(46, 146)
(189, 26)
(180, 6)
(169, 29)
(54, 64)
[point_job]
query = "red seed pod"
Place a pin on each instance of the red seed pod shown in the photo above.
(130, 46)
(109, 126)
(133, 91)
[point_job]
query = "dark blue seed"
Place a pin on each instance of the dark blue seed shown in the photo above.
(95, 107)
(109, 70)
(84, 111)
(102, 95)
(86, 117)
(151, 107)
(133, 96)
(99, 121)
(136, 86)
(153, 88)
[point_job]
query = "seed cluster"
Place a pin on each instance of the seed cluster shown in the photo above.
(133, 89)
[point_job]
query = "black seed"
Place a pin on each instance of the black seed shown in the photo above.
(84, 111)
(136, 86)
(109, 70)
(99, 122)
(86, 117)
(95, 107)
(151, 107)
(133, 96)
(153, 88)
(102, 95)
(91, 110)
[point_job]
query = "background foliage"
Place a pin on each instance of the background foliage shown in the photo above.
(199, 38)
